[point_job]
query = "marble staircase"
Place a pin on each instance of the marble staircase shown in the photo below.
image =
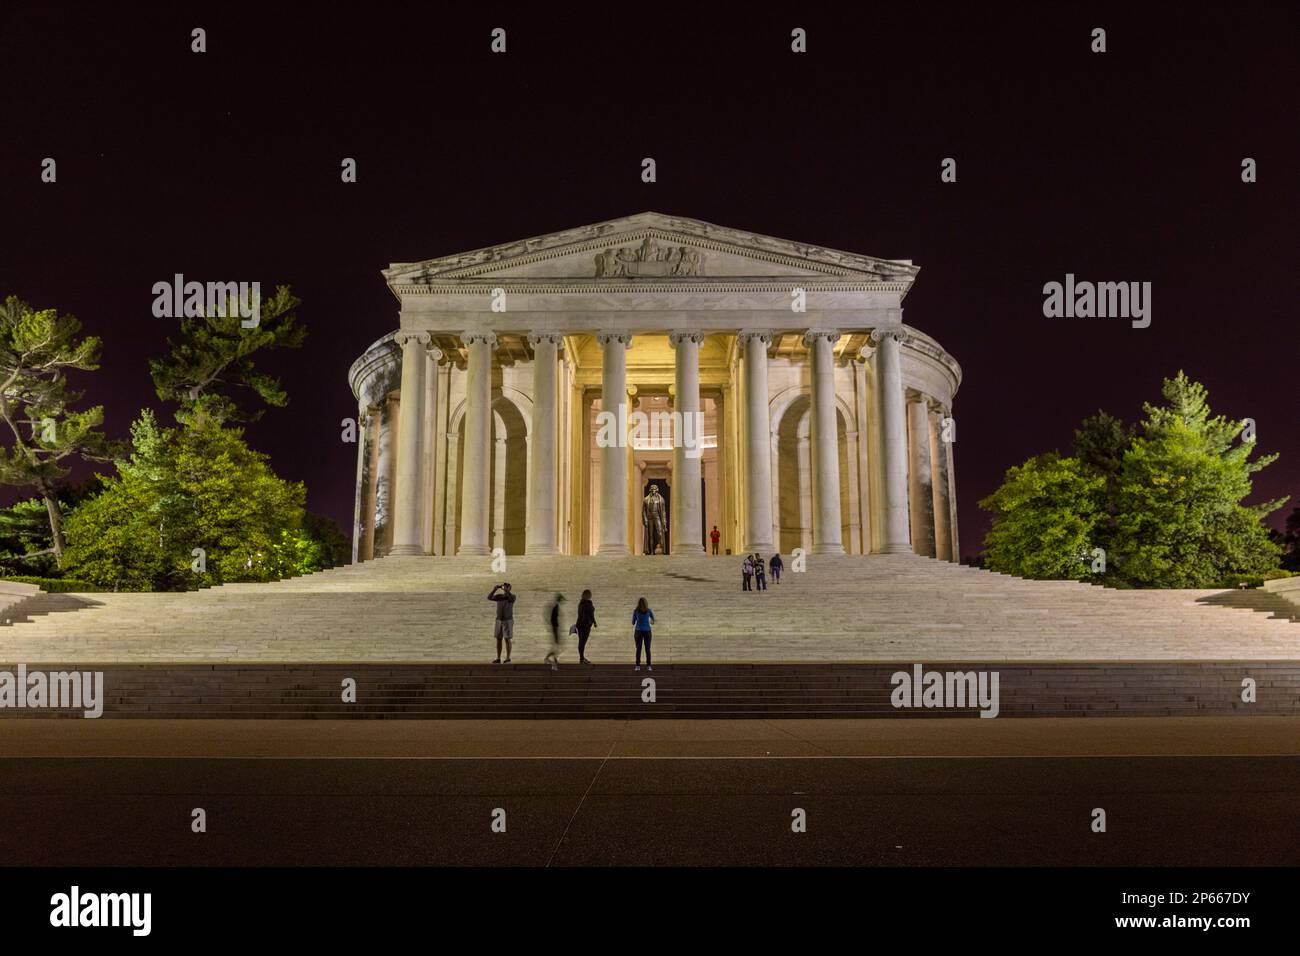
(840, 609)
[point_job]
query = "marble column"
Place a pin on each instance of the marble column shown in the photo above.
(825, 451)
(541, 479)
(613, 457)
(758, 445)
(687, 535)
(388, 450)
(950, 448)
(893, 420)
(358, 514)
(477, 471)
(429, 450)
(370, 498)
(939, 475)
(920, 482)
(408, 516)
(865, 457)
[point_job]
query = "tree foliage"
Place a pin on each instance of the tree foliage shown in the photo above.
(37, 350)
(26, 540)
(1045, 516)
(209, 370)
(1180, 519)
(196, 487)
(1164, 500)
(1290, 541)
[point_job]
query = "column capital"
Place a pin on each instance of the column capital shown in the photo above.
(750, 335)
(406, 337)
(939, 408)
(881, 333)
(812, 335)
(609, 337)
(434, 353)
(472, 336)
(678, 336)
(537, 338)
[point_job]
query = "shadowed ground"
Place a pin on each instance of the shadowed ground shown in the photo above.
(1202, 791)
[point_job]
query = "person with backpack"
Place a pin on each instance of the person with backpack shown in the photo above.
(746, 573)
(777, 566)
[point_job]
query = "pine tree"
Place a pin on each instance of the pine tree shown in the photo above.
(37, 348)
(1163, 500)
(1180, 521)
(211, 362)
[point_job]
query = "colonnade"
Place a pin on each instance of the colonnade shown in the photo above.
(914, 470)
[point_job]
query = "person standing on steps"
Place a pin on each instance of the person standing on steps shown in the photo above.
(746, 573)
(715, 536)
(505, 627)
(586, 621)
(760, 574)
(777, 566)
(553, 620)
(642, 618)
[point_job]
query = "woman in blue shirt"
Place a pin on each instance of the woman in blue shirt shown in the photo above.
(642, 618)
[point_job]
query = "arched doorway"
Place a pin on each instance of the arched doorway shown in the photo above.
(792, 475)
(507, 477)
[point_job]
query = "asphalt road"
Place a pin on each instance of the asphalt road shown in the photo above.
(873, 810)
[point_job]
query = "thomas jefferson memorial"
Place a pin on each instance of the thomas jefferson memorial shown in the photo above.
(826, 422)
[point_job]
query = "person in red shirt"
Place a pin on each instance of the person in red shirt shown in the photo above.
(715, 536)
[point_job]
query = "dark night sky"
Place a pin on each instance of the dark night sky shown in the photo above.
(1122, 166)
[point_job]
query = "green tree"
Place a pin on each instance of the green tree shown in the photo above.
(37, 349)
(195, 487)
(210, 368)
(1291, 541)
(1164, 500)
(1180, 520)
(26, 542)
(321, 545)
(1044, 519)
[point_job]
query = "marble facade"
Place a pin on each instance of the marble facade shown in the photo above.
(826, 419)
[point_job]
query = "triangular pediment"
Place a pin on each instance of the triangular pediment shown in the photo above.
(655, 247)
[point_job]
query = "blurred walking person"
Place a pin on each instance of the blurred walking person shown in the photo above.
(553, 618)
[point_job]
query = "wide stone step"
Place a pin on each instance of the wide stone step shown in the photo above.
(802, 690)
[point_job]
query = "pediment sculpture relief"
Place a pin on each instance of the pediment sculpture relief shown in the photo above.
(650, 258)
